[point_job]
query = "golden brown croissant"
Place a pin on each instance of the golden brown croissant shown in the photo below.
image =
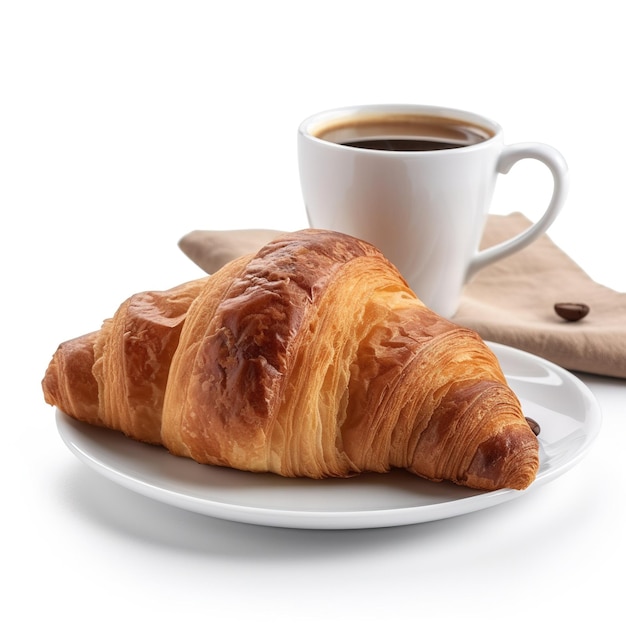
(311, 358)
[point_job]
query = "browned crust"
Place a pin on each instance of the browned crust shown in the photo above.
(69, 383)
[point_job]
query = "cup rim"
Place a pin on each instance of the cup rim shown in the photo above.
(309, 124)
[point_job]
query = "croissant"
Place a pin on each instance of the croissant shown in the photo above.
(310, 358)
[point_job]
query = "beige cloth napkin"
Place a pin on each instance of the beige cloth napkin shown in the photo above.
(509, 302)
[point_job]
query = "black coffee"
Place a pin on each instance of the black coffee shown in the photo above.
(402, 132)
(398, 144)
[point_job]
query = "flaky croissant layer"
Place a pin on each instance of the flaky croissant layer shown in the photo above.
(310, 358)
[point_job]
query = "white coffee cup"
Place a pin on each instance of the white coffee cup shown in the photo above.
(425, 207)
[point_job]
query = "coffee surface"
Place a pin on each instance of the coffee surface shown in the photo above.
(400, 144)
(402, 132)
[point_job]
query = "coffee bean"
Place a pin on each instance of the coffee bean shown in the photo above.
(571, 311)
(534, 426)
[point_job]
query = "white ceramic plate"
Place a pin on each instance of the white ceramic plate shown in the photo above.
(564, 407)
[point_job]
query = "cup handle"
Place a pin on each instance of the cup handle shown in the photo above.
(558, 167)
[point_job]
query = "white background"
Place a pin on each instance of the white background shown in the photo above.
(124, 125)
